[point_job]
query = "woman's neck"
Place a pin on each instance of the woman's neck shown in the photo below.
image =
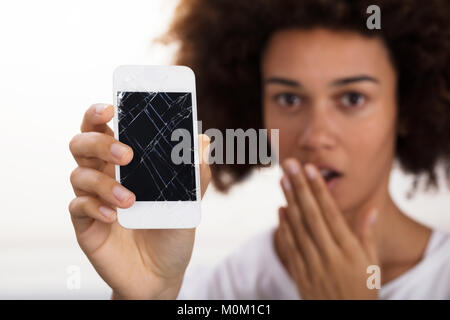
(400, 241)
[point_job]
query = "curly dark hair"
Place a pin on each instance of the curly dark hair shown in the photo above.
(223, 40)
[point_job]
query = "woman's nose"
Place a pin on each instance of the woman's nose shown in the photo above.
(317, 131)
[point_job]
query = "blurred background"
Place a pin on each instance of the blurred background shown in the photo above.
(56, 59)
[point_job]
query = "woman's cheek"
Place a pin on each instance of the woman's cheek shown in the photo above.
(370, 157)
(287, 134)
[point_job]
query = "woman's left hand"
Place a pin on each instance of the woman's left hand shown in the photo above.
(326, 259)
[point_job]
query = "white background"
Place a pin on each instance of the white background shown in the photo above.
(56, 59)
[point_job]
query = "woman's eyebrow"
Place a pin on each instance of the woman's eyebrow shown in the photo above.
(352, 79)
(284, 81)
(337, 82)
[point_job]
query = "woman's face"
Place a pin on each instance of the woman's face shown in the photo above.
(332, 97)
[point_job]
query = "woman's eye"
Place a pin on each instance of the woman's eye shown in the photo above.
(287, 99)
(353, 99)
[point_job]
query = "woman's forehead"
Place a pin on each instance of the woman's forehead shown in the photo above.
(323, 53)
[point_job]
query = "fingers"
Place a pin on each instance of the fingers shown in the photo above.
(292, 211)
(335, 221)
(91, 207)
(205, 170)
(93, 182)
(311, 212)
(97, 117)
(301, 235)
(295, 261)
(203, 148)
(365, 234)
(87, 148)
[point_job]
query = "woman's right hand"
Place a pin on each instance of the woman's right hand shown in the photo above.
(136, 264)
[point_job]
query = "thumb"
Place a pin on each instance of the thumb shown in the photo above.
(366, 234)
(205, 171)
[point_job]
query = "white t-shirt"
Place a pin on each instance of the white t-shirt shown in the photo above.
(254, 271)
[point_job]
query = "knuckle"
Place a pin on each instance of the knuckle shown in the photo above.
(96, 178)
(88, 143)
(84, 201)
(86, 140)
(88, 115)
(92, 137)
(73, 205)
(75, 139)
(90, 110)
(81, 205)
(73, 176)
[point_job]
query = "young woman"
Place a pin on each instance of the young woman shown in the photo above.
(348, 102)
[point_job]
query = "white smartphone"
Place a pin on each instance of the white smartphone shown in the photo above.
(156, 115)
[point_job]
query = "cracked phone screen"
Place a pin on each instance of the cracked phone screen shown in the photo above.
(146, 123)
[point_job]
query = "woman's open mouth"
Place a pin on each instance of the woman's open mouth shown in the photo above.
(330, 176)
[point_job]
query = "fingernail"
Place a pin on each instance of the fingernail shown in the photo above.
(310, 171)
(121, 193)
(205, 138)
(100, 107)
(285, 182)
(107, 212)
(118, 150)
(292, 167)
